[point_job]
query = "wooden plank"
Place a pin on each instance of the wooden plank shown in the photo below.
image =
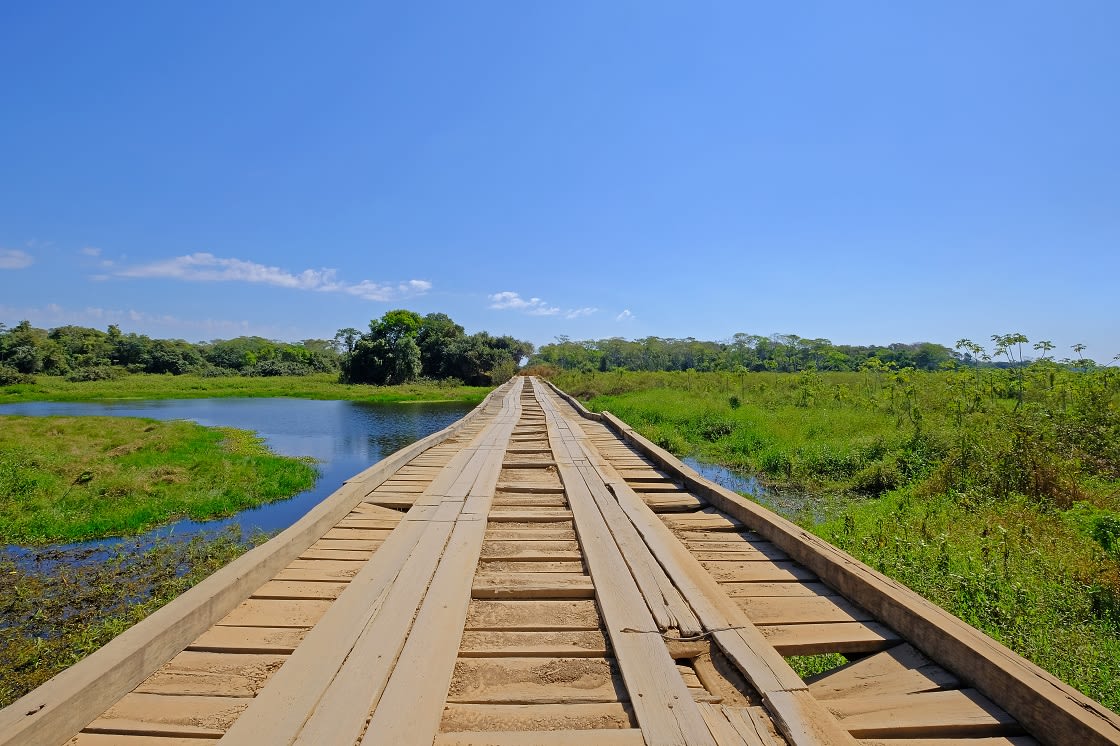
(720, 728)
(533, 585)
(212, 674)
(600, 737)
(186, 711)
(122, 727)
(524, 515)
(273, 640)
(525, 551)
(743, 552)
(900, 670)
(535, 615)
(499, 566)
(341, 570)
(542, 532)
(982, 741)
(363, 545)
(750, 724)
(664, 707)
(945, 714)
(798, 717)
(267, 612)
(801, 609)
(340, 554)
(675, 501)
(298, 589)
(843, 637)
(761, 590)
(105, 739)
(534, 644)
(592, 718)
(536, 681)
(754, 572)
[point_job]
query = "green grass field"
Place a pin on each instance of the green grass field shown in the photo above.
(152, 386)
(65, 479)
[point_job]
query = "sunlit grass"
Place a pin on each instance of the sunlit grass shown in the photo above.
(141, 386)
(71, 478)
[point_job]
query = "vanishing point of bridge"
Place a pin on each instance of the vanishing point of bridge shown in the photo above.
(536, 574)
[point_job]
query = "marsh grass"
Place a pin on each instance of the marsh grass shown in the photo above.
(154, 386)
(61, 605)
(993, 493)
(65, 479)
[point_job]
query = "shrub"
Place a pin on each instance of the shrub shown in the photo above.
(9, 376)
(94, 373)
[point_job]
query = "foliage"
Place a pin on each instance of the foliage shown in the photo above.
(743, 352)
(94, 373)
(72, 478)
(213, 383)
(62, 607)
(402, 346)
(996, 491)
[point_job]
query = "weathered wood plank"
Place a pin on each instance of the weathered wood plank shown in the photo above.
(665, 710)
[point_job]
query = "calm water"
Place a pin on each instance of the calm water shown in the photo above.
(343, 437)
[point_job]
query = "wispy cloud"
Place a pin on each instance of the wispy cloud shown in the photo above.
(90, 251)
(15, 259)
(507, 300)
(624, 316)
(205, 267)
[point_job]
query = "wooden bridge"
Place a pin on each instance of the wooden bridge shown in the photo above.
(536, 574)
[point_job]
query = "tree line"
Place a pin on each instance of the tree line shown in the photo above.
(399, 347)
(779, 352)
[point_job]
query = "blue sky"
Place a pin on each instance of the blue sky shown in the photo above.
(866, 172)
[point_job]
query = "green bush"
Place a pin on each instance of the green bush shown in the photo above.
(94, 373)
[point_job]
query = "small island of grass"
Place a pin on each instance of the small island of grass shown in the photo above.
(66, 479)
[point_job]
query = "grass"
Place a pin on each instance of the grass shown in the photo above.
(1005, 512)
(65, 479)
(154, 386)
(54, 617)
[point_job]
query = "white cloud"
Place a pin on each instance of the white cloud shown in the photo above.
(624, 316)
(205, 267)
(91, 251)
(507, 300)
(15, 259)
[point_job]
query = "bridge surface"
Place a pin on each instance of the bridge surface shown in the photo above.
(536, 574)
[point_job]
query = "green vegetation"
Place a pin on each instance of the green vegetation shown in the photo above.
(743, 352)
(70, 478)
(315, 386)
(994, 492)
(401, 347)
(62, 607)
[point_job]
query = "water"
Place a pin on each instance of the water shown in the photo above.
(343, 437)
(797, 506)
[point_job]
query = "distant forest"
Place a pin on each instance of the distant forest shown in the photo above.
(404, 346)
(399, 347)
(783, 352)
